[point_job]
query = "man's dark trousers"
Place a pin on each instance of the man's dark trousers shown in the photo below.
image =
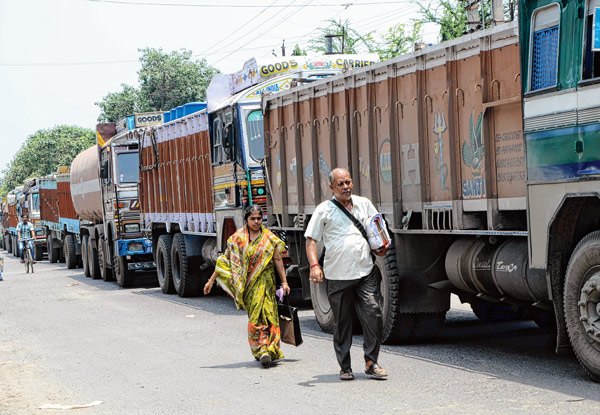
(362, 295)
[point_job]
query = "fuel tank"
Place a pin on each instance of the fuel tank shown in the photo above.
(85, 185)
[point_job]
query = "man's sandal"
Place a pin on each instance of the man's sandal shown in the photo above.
(376, 371)
(346, 374)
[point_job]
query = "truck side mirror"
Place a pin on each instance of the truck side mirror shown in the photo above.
(104, 170)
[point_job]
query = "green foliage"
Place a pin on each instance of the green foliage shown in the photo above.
(117, 104)
(349, 40)
(449, 14)
(298, 51)
(170, 80)
(43, 152)
(167, 80)
(397, 42)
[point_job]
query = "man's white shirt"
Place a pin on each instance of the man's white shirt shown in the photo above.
(347, 253)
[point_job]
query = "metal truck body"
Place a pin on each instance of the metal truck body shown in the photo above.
(482, 155)
(104, 191)
(201, 170)
(61, 223)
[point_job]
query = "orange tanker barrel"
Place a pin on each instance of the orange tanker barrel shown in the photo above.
(85, 185)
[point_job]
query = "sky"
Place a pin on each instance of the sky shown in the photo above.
(59, 57)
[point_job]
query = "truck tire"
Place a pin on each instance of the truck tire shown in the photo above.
(105, 270)
(15, 248)
(93, 263)
(186, 284)
(399, 327)
(69, 251)
(39, 252)
(164, 265)
(582, 303)
(53, 255)
(86, 265)
(122, 273)
(490, 312)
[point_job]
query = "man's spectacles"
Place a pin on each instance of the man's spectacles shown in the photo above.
(344, 182)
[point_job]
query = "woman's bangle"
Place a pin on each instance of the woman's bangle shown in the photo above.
(211, 281)
(314, 265)
(284, 283)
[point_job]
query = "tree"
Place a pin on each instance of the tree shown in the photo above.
(44, 151)
(170, 80)
(298, 51)
(348, 40)
(167, 80)
(396, 42)
(115, 105)
(449, 14)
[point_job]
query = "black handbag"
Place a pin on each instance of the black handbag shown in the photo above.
(289, 323)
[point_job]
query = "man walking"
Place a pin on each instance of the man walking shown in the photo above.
(348, 267)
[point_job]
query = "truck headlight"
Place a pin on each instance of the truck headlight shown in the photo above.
(132, 227)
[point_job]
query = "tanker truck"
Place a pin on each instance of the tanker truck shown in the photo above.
(484, 165)
(198, 171)
(103, 181)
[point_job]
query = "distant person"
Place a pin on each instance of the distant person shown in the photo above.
(348, 267)
(25, 230)
(1, 268)
(246, 271)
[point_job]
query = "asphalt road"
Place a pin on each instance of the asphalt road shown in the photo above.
(65, 339)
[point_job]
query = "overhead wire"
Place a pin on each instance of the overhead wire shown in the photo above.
(235, 6)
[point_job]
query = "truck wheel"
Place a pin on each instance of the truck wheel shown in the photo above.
(39, 252)
(399, 327)
(123, 275)
(69, 251)
(52, 255)
(15, 249)
(105, 270)
(164, 265)
(86, 265)
(185, 283)
(489, 312)
(582, 303)
(92, 258)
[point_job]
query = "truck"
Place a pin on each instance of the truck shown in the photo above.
(199, 170)
(4, 224)
(24, 199)
(104, 191)
(482, 155)
(59, 220)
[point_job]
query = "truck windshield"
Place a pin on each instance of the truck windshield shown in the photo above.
(127, 168)
(256, 143)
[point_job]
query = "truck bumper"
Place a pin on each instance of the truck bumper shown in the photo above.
(139, 246)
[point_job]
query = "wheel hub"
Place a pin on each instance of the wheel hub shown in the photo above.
(589, 307)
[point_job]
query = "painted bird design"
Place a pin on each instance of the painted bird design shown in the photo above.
(473, 152)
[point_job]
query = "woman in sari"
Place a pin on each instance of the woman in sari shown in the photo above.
(246, 271)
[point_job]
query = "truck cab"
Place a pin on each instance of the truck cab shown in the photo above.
(236, 127)
(124, 248)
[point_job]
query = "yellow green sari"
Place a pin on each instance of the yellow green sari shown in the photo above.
(247, 273)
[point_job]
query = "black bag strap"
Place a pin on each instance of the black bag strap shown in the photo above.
(352, 218)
